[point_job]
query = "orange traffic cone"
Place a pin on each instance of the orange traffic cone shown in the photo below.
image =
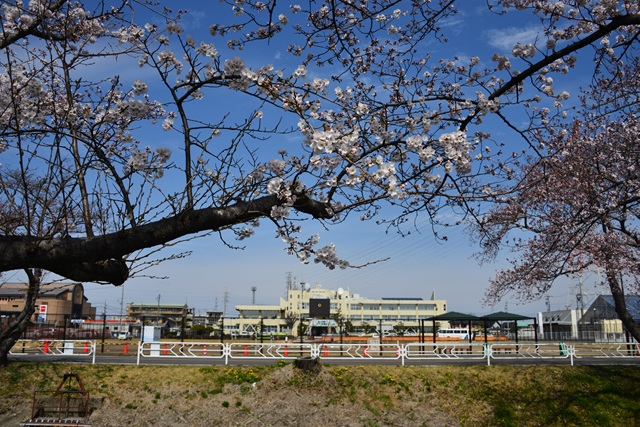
(326, 352)
(164, 350)
(86, 347)
(286, 351)
(204, 350)
(46, 347)
(246, 350)
(366, 351)
(126, 348)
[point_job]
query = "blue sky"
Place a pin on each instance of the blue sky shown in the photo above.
(418, 265)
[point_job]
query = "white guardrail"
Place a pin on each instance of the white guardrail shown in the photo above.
(336, 351)
(55, 348)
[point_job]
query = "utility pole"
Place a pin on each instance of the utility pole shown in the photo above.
(548, 301)
(581, 307)
(104, 324)
(158, 312)
(121, 305)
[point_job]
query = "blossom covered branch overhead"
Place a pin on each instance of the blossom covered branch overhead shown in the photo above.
(384, 129)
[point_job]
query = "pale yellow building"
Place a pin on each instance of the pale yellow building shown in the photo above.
(359, 311)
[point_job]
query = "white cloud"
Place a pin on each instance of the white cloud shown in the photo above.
(507, 38)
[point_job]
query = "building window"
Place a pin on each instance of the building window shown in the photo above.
(389, 306)
(370, 307)
(407, 307)
(427, 307)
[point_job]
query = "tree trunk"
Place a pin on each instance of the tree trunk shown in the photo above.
(308, 364)
(17, 326)
(621, 306)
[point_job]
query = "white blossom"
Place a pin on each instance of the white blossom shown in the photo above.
(167, 124)
(280, 212)
(173, 28)
(277, 166)
(233, 66)
(329, 257)
(140, 87)
(244, 233)
(273, 187)
(301, 71)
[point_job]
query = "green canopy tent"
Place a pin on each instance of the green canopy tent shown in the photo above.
(503, 315)
(449, 316)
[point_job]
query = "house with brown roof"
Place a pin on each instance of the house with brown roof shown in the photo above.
(55, 303)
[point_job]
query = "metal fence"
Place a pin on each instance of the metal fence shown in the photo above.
(60, 326)
(55, 348)
(366, 353)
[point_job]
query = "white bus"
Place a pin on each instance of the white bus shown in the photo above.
(461, 334)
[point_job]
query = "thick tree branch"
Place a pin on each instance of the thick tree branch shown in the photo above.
(32, 29)
(97, 258)
(617, 22)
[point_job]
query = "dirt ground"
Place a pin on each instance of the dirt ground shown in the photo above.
(280, 399)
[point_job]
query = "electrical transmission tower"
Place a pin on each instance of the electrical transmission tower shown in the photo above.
(226, 301)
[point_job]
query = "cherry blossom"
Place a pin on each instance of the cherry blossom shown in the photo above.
(578, 204)
(383, 130)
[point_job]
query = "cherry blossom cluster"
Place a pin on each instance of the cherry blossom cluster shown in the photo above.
(397, 124)
(286, 191)
(244, 233)
(71, 20)
(456, 147)
(151, 163)
(328, 256)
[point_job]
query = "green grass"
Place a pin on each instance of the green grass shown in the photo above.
(605, 396)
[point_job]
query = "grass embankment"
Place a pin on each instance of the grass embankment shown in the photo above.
(363, 395)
